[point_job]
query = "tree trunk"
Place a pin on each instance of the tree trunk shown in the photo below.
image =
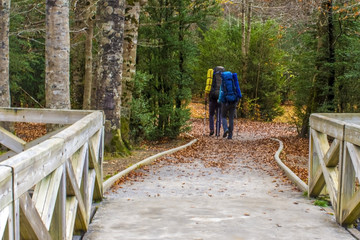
(132, 15)
(246, 36)
(77, 57)
(248, 30)
(57, 52)
(181, 38)
(331, 42)
(88, 77)
(109, 79)
(316, 95)
(4, 53)
(77, 74)
(243, 40)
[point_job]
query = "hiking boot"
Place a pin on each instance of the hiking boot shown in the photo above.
(211, 133)
(225, 133)
(230, 135)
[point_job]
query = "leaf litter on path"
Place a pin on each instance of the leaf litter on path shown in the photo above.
(251, 142)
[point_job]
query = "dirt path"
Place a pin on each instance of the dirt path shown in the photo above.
(215, 189)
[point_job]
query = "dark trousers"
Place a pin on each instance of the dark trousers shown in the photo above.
(228, 109)
(214, 108)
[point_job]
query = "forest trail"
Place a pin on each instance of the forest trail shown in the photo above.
(214, 189)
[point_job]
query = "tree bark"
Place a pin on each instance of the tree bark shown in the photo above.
(77, 57)
(331, 42)
(248, 30)
(4, 53)
(132, 15)
(246, 36)
(57, 52)
(88, 77)
(109, 79)
(243, 39)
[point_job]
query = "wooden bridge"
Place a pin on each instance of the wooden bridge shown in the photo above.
(47, 186)
(335, 162)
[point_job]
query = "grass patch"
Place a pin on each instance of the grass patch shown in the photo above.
(321, 203)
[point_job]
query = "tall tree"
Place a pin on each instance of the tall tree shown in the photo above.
(77, 52)
(109, 74)
(132, 16)
(246, 36)
(88, 75)
(331, 54)
(57, 54)
(322, 95)
(4, 53)
(81, 53)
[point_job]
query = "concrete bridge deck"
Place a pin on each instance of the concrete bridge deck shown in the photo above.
(191, 201)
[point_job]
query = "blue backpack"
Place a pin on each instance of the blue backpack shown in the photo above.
(228, 86)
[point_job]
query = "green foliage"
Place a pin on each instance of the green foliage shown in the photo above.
(347, 67)
(146, 112)
(142, 122)
(322, 201)
(312, 68)
(27, 51)
(262, 93)
(301, 56)
(215, 50)
(161, 108)
(266, 68)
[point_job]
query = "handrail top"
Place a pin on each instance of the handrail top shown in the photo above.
(342, 126)
(340, 118)
(43, 115)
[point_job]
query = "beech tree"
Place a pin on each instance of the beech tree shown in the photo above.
(57, 54)
(4, 53)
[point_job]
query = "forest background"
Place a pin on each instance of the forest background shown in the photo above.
(142, 62)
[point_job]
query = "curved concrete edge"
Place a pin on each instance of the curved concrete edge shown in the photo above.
(109, 182)
(293, 177)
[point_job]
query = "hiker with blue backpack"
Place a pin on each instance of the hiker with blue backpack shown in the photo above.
(229, 97)
(212, 90)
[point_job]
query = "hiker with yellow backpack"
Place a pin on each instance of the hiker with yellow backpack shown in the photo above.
(212, 91)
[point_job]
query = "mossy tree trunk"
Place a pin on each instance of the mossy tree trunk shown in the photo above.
(109, 74)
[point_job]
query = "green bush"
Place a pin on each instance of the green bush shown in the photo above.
(265, 87)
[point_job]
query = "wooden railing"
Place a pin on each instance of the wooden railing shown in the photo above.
(335, 162)
(47, 186)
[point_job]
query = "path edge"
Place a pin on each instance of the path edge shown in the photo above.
(293, 177)
(109, 182)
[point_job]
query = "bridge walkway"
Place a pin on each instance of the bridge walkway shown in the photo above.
(184, 197)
